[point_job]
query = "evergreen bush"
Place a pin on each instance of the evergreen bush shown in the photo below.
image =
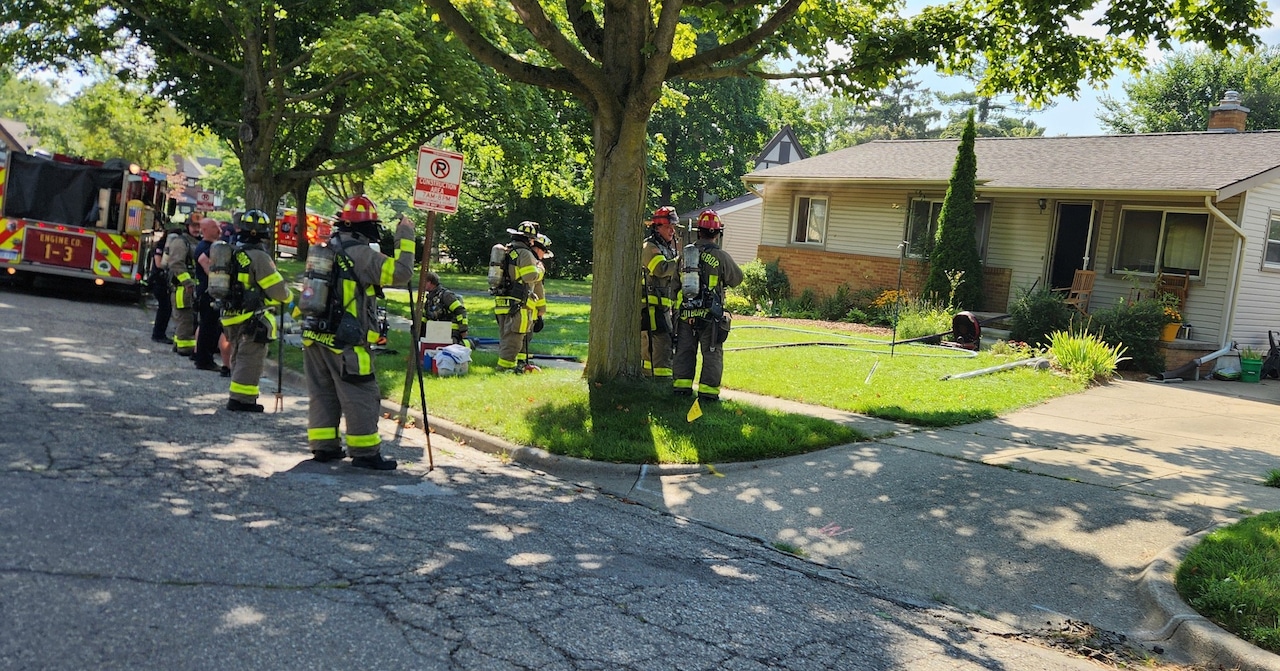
(765, 284)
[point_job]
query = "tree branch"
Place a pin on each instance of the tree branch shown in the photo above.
(585, 27)
(738, 47)
(502, 62)
(187, 46)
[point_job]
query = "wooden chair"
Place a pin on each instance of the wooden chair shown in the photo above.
(1175, 285)
(1080, 290)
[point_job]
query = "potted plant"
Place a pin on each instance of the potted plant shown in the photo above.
(1173, 321)
(1250, 364)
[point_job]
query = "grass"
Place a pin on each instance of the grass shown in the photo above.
(1233, 578)
(1273, 478)
(862, 377)
(644, 423)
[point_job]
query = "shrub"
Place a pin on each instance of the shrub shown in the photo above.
(1014, 348)
(1137, 327)
(855, 316)
(884, 308)
(1084, 356)
(833, 308)
(804, 306)
(765, 284)
(921, 318)
(737, 304)
(1036, 314)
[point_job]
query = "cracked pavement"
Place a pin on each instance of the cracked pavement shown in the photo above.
(144, 527)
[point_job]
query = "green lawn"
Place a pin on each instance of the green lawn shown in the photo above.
(1232, 577)
(555, 409)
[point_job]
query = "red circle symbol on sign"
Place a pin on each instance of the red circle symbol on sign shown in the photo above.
(440, 168)
(205, 197)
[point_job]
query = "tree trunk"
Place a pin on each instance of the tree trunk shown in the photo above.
(614, 347)
(303, 244)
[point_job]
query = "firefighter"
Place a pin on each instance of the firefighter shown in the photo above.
(702, 320)
(542, 251)
(255, 286)
(338, 366)
(441, 304)
(514, 297)
(179, 250)
(659, 265)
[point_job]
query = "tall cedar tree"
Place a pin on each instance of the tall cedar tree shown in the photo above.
(955, 247)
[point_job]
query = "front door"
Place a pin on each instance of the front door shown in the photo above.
(1071, 243)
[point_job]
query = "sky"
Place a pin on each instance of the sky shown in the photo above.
(1069, 117)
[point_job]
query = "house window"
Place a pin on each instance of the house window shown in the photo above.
(811, 220)
(1271, 256)
(1158, 241)
(922, 227)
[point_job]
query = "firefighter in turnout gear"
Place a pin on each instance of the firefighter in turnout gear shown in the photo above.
(255, 286)
(337, 361)
(514, 297)
(541, 250)
(444, 305)
(703, 323)
(659, 265)
(180, 262)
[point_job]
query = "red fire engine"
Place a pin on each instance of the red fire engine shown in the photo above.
(78, 218)
(319, 229)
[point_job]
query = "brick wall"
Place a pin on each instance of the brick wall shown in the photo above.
(823, 271)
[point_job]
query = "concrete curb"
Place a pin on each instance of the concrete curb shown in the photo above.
(1185, 629)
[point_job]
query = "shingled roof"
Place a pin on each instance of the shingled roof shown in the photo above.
(1223, 164)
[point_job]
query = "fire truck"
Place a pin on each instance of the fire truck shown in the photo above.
(79, 218)
(319, 229)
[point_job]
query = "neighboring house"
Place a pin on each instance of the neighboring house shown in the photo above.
(741, 215)
(15, 136)
(1126, 206)
(195, 169)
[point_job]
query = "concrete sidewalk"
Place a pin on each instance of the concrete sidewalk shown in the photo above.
(1075, 509)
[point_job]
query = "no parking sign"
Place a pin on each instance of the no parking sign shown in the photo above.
(439, 177)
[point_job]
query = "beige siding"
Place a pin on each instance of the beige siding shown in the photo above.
(859, 221)
(1019, 240)
(742, 233)
(1206, 297)
(1258, 308)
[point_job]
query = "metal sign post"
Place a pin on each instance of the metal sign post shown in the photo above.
(436, 190)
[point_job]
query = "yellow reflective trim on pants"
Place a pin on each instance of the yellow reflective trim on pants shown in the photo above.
(245, 389)
(682, 384)
(506, 363)
(366, 363)
(708, 390)
(182, 343)
(662, 372)
(322, 433)
(367, 440)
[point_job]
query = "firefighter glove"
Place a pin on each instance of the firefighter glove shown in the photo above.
(537, 325)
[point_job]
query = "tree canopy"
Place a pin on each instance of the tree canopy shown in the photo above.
(616, 56)
(1175, 96)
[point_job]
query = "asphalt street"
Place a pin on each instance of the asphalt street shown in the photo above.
(144, 527)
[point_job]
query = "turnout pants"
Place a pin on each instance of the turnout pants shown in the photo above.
(247, 360)
(689, 338)
(336, 388)
(184, 316)
(512, 328)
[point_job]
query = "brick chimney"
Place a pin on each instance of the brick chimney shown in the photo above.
(1229, 116)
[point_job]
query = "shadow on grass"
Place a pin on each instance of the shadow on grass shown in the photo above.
(643, 422)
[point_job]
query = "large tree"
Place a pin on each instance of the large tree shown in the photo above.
(616, 55)
(1175, 96)
(298, 90)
